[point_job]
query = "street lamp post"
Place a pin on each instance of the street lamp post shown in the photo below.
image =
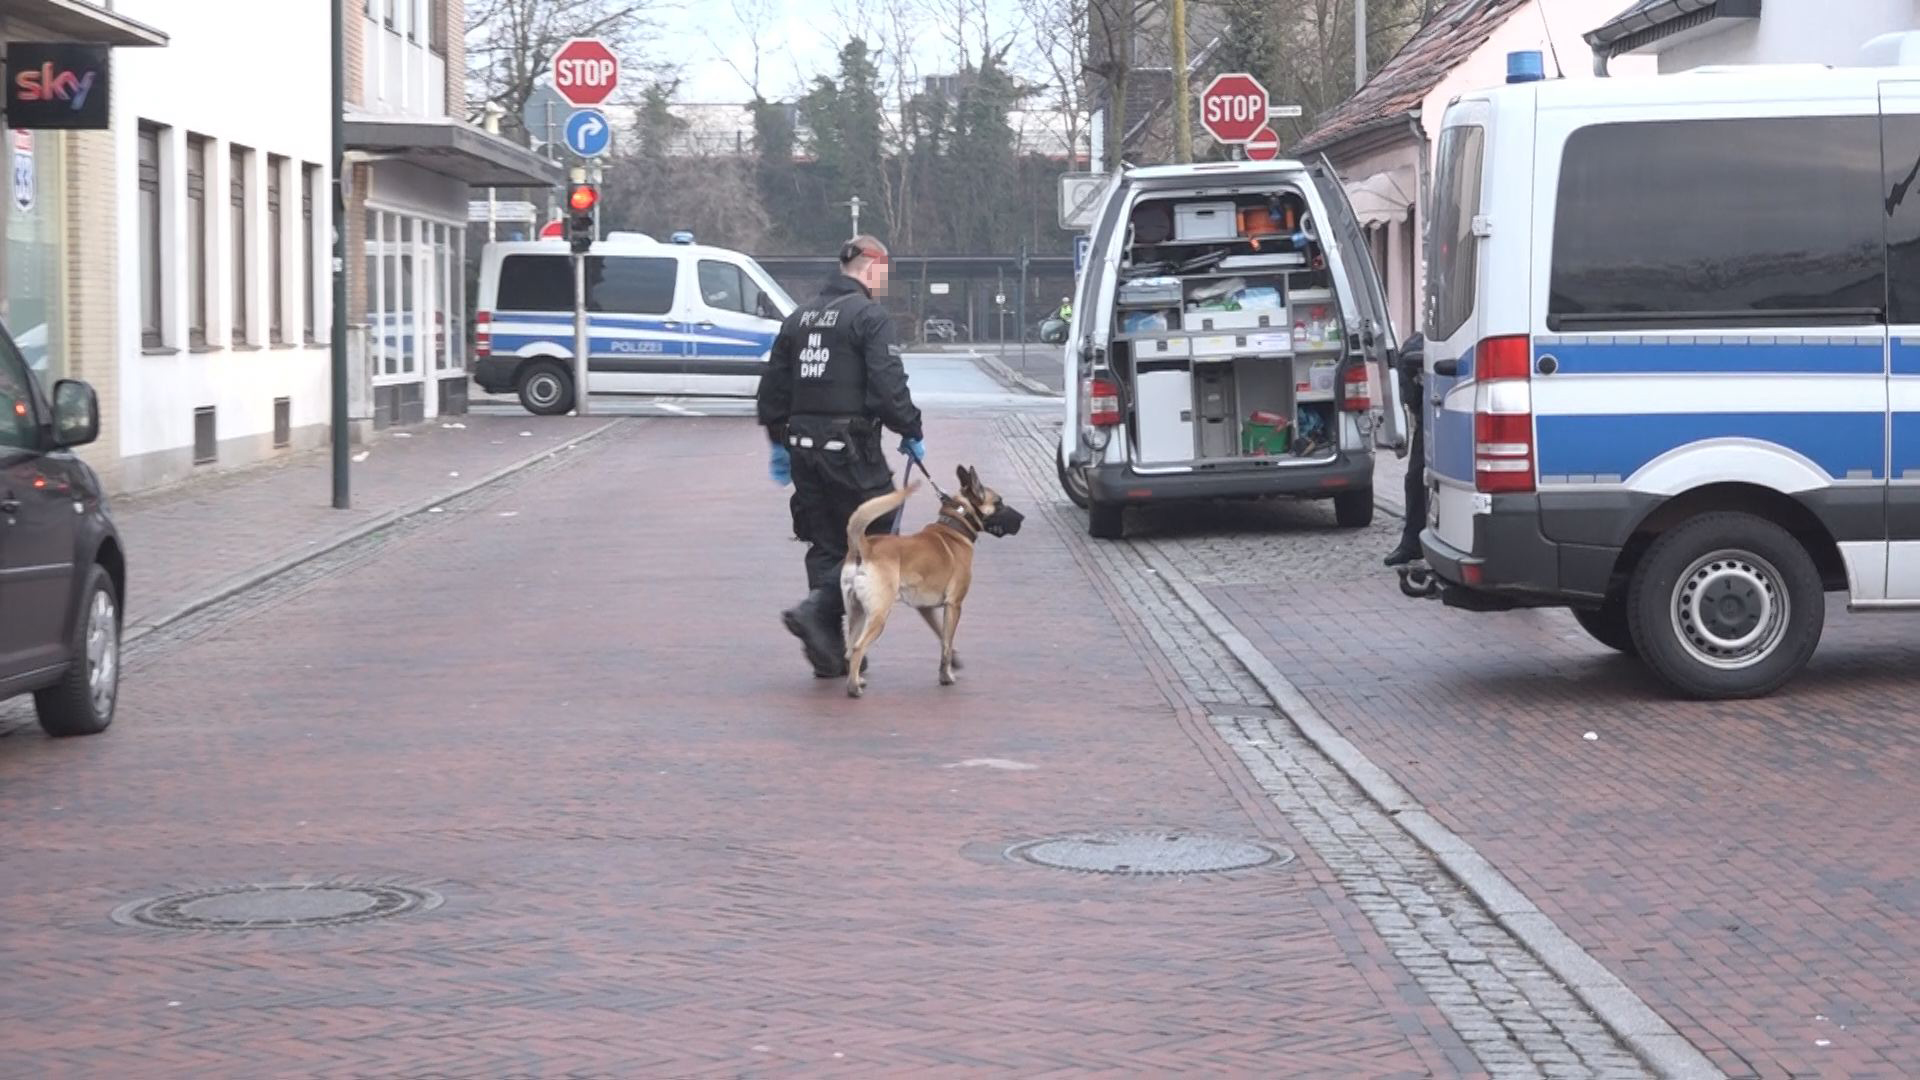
(342, 497)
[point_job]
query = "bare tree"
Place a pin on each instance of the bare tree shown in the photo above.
(510, 43)
(1058, 35)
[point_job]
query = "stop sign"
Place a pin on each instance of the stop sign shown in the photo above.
(1264, 145)
(585, 71)
(1233, 107)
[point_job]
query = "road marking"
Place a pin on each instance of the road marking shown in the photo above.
(680, 409)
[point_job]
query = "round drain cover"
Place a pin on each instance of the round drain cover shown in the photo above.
(277, 907)
(1148, 853)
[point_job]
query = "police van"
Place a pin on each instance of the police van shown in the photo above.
(662, 319)
(1230, 340)
(1673, 360)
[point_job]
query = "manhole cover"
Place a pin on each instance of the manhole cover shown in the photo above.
(276, 907)
(1148, 853)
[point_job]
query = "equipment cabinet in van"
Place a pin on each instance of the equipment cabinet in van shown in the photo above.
(1673, 349)
(1230, 341)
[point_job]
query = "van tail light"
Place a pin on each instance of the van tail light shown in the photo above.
(1503, 458)
(1355, 393)
(1103, 403)
(483, 334)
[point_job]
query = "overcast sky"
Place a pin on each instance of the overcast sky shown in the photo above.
(801, 40)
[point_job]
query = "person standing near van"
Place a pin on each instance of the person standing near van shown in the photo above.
(832, 381)
(1413, 377)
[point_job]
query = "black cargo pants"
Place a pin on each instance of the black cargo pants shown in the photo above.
(1413, 390)
(831, 478)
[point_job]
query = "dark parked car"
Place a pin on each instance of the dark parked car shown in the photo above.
(62, 573)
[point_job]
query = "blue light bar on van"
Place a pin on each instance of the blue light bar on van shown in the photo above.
(1526, 66)
(683, 237)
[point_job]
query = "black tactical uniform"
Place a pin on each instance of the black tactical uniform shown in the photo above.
(830, 385)
(1413, 380)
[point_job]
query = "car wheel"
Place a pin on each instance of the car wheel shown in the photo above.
(546, 388)
(1353, 509)
(1106, 521)
(83, 700)
(1073, 481)
(1726, 606)
(1607, 625)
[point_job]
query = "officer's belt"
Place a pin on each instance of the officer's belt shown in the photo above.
(806, 442)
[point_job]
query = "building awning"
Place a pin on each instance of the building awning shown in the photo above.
(1660, 22)
(453, 149)
(1383, 198)
(79, 21)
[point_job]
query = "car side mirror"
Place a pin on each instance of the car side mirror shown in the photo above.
(76, 413)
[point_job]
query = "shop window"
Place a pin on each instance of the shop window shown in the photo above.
(276, 272)
(152, 303)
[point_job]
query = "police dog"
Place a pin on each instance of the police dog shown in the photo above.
(930, 570)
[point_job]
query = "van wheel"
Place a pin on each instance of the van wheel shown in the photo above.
(1073, 481)
(81, 703)
(1106, 521)
(1607, 625)
(1353, 509)
(1726, 606)
(546, 388)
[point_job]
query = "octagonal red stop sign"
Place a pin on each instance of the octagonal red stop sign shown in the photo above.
(585, 71)
(1233, 107)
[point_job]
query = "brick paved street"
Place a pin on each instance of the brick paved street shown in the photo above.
(1747, 868)
(564, 707)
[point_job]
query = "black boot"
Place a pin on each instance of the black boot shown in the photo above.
(816, 622)
(1408, 551)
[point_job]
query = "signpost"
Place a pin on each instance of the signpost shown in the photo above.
(585, 72)
(588, 133)
(1080, 199)
(1233, 107)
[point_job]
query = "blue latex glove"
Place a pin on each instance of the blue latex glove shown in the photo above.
(915, 449)
(781, 466)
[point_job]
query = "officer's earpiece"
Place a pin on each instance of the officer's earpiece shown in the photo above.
(849, 252)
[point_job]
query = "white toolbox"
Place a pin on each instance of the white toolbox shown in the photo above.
(1227, 346)
(1246, 319)
(1205, 221)
(1163, 408)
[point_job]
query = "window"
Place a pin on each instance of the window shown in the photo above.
(309, 179)
(375, 287)
(725, 287)
(625, 286)
(1902, 146)
(17, 410)
(197, 290)
(237, 197)
(403, 314)
(151, 302)
(1755, 222)
(1453, 252)
(276, 272)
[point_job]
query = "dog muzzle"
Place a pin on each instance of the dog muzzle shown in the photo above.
(1003, 522)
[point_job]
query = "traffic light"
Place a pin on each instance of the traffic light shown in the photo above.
(580, 203)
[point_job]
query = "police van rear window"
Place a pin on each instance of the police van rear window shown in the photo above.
(619, 285)
(1748, 222)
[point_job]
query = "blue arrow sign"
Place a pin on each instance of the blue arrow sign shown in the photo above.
(588, 133)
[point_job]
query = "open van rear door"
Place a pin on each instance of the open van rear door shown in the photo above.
(1363, 286)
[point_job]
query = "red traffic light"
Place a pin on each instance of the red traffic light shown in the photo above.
(583, 198)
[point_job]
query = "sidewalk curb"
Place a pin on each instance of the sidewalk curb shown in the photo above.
(241, 583)
(1001, 372)
(1612, 1001)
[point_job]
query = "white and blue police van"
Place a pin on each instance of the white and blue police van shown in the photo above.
(676, 319)
(1673, 360)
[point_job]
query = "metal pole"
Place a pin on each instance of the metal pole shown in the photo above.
(342, 495)
(1023, 303)
(855, 203)
(1182, 112)
(1359, 43)
(580, 334)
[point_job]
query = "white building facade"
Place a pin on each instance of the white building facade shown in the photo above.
(224, 204)
(1685, 34)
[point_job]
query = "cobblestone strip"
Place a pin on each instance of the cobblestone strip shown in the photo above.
(1514, 1012)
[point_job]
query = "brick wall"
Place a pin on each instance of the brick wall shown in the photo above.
(355, 51)
(456, 57)
(92, 291)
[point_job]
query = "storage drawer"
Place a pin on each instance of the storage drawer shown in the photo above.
(1163, 411)
(1227, 346)
(1216, 421)
(1149, 292)
(1248, 319)
(1162, 348)
(1205, 221)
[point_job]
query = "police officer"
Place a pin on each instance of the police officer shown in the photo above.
(1413, 364)
(831, 382)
